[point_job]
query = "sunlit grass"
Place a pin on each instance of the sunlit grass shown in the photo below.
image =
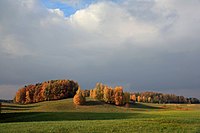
(64, 116)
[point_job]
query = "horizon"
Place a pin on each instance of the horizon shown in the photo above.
(142, 45)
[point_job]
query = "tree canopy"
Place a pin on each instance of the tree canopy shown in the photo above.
(46, 91)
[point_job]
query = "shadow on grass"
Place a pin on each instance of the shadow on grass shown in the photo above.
(16, 107)
(93, 103)
(61, 116)
(19, 106)
(143, 106)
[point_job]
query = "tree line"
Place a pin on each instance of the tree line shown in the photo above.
(155, 97)
(118, 97)
(60, 89)
(46, 91)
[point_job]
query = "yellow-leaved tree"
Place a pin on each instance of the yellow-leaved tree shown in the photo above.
(79, 99)
(119, 96)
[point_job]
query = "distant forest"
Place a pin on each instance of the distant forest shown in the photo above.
(60, 89)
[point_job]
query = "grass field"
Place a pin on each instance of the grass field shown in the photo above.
(64, 116)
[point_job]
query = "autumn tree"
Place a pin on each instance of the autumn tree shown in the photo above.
(99, 91)
(91, 93)
(21, 96)
(94, 94)
(143, 99)
(138, 99)
(28, 99)
(119, 96)
(79, 99)
(149, 99)
(29, 93)
(108, 95)
(133, 97)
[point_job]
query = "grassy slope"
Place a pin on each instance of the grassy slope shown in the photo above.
(63, 116)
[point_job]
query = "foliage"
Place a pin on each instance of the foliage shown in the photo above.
(85, 93)
(79, 99)
(155, 97)
(133, 97)
(119, 95)
(0, 106)
(46, 91)
(108, 94)
(126, 97)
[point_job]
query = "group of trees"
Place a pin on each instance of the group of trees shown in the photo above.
(109, 95)
(155, 97)
(60, 89)
(46, 91)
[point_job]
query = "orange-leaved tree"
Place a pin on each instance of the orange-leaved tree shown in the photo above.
(21, 96)
(108, 95)
(79, 99)
(133, 98)
(138, 99)
(119, 95)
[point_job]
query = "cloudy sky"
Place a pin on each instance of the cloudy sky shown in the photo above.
(143, 45)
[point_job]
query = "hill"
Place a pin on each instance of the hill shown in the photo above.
(95, 116)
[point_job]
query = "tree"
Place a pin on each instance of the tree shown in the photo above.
(91, 93)
(138, 99)
(94, 94)
(126, 97)
(118, 91)
(149, 99)
(28, 99)
(99, 91)
(108, 95)
(21, 96)
(79, 99)
(133, 97)
(0, 107)
(143, 99)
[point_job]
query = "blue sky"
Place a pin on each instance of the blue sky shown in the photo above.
(67, 8)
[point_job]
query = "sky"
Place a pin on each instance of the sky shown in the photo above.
(142, 45)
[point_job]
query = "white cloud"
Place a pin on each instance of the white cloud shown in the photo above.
(145, 44)
(111, 22)
(57, 12)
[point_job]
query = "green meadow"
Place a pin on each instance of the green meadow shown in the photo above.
(95, 117)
